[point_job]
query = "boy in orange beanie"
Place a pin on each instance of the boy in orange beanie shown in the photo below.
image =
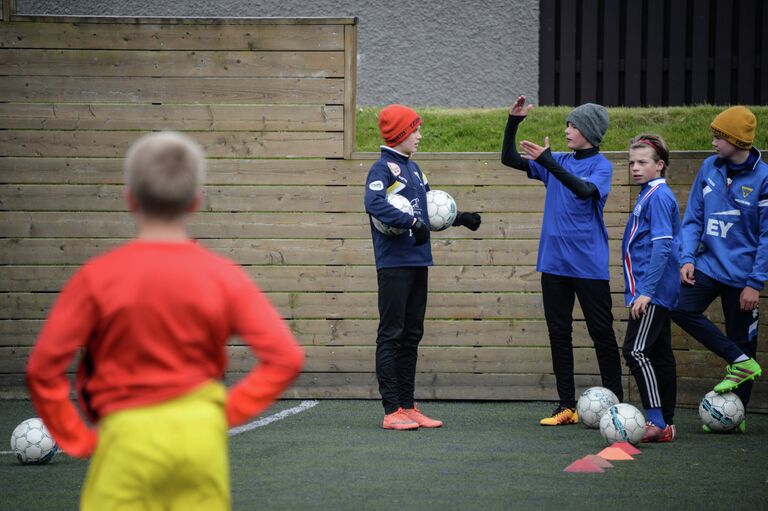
(401, 264)
(725, 249)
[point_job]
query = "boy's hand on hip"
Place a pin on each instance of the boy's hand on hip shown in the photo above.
(420, 233)
(533, 151)
(686, 274)
(749, 299)
(469, 220)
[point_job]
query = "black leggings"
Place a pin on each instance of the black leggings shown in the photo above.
(594, 296)
(402, 305)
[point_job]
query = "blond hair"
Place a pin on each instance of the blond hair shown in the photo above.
(164, 172)
(657, 145)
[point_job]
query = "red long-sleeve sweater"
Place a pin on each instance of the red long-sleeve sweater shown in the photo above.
(153, 319)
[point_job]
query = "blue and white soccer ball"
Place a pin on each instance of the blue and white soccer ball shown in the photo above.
(593, 403)
(622, 423)
(441, 209)
(721, 412)
(400, 203)
(31, 442)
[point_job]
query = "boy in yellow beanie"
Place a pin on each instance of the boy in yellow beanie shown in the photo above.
(725, 249)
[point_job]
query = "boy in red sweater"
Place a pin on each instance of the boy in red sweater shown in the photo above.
(152, 318)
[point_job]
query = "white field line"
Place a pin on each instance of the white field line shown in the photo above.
(269, 419)
(259, 423)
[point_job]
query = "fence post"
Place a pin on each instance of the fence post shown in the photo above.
(350, 87)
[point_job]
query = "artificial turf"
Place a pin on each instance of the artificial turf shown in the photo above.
(490, 455)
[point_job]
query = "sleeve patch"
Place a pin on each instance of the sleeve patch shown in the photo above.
(376, 186)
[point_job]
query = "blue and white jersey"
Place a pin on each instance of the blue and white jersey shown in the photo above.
(654, 217)
(395, 172)
(574, 240)
(725, 228)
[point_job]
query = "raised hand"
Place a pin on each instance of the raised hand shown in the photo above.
(519, 107)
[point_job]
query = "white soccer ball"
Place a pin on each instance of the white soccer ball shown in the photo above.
(721, 412)
(622, 423)
(400, 203)
(31, 442)
(441, 209)
(593, 403)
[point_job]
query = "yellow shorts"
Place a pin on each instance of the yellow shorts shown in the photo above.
(170, 456)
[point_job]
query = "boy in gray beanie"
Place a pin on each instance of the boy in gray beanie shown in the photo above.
(573, 247)
(591, 120)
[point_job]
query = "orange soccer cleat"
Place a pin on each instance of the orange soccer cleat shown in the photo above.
(421, 419)
(399, 420)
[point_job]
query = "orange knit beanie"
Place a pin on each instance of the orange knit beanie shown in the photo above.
(735, 125)
(396, 122)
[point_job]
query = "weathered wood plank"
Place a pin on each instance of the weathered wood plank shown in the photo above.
(97, 116)
(443, 171)
(299, 198)
(322, 278)
(363, 305)
(226, 144)
(165, 63)
(248, 36)
(84, 224)
(282, 252)
(344, 359)
(173, 90)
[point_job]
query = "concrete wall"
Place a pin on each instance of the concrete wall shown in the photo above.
(447, 53)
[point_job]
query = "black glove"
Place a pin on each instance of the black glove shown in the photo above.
(420, 232)
(469, 220)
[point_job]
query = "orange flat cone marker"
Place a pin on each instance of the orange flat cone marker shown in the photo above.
(614, 453)
(597, 460)
(626, 447)
(583, 466)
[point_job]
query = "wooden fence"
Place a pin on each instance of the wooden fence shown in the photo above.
(653, 52)
(75, 93)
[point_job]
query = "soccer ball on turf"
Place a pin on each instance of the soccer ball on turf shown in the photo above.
(400, 203)
(592, 405)
(721, 412)
(31, 443)
(622, 423)
(441, 209)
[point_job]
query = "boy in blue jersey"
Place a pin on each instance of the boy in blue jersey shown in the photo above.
(650, 251)
(573, 248)
(401, 265)
(725, 249)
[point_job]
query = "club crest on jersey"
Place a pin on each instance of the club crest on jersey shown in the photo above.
(394, 168)
(745, 191)
(637, 210)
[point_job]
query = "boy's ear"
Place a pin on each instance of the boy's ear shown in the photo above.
(197, 202)
(130, 200)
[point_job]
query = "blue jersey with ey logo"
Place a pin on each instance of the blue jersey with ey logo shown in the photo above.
(395, 172)
(574, 240)
(654, 217)
(725, 228)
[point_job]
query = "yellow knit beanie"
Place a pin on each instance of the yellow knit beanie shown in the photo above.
(735, 125)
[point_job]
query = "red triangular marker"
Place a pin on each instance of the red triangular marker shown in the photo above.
(626, 447)
(583, 466)
(614, 453)
(597, 460)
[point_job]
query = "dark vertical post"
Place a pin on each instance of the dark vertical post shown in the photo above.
(611, 45)
(700, 52)
(547, 57)
(654, 55)
(568, 37)
(679, 25)
(589, 35)
(723, 37)
(633, 54)
(747, 52)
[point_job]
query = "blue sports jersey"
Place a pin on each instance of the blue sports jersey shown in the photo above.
(725, 228)
(574, 240)
(655, 217)
(395, 172)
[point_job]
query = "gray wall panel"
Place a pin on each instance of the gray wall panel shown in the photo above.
(447, 53)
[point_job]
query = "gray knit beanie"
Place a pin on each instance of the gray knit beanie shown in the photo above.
(591, 120)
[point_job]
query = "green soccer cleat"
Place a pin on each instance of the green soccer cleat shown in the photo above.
(738, 373)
